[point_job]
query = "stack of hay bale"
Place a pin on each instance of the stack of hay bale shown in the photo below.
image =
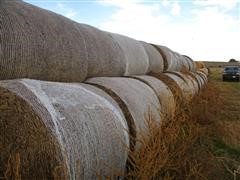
(74, 99)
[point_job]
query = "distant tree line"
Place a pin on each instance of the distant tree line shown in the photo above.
(233, 60)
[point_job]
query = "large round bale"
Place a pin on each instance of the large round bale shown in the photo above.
(203, 76)
(205, 71)
(186, 88)
(173, 86)
(170, 61)
(191, 81)
(177, 63)
(136, 58)
(192, 84)
(165, 95)
(59, 130)
(195, 78)
(139, 98)
(199, 65)
(192, 64)
(39, 44)
(156, 63)
(200, 80)
(104, 55)
(185, 65)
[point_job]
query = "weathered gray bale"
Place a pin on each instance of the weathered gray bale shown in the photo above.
(170, 61)
(104, 55)
(196, 79)
(39, 44)
(200, 80)
(203, 76)
(189, 63)
(186, 88)
(205, 71)
(185, 65)
(165, 95)
(173, 86)
(178, 61)
(192, 84)
(136, 58)
(82, 131)
(139, 98)
(192, 65)
(156, 63)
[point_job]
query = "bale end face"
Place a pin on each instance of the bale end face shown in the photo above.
(27, 149)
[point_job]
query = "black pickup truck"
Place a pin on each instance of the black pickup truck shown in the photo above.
(231, 73)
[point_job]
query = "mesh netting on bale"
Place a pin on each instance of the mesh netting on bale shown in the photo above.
(194, 77)
(156, 63)
(62, 131)
(179, 63)
(205, 71)
(105, 56)
(192, 65)
(139, 98)
(136, 58)
(200, 80)
(170, 61)
(184, 63)
(199, 65)
(203, 76)
(165, 95)
(186, 88)
(192, 82)
(39, 44)
(173, 86)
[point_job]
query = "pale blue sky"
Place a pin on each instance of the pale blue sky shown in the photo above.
(203, 29)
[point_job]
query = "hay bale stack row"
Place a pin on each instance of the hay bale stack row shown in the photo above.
(39, 44)
(82, 130)
(84, 125)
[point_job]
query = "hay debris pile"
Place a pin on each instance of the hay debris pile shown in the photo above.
(74, 99)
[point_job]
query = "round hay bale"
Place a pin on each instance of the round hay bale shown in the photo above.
(199, 65)
(195, 78)
(165, 95)
(136, 58)
(170, 61)
(181, 63)
(173, 86)
(200, 80)
(205, 71)
(192, 80)
(192, 64)
(139, 98)
(104, 55)
(88, 127)
(182, 83)
(39, 44)
(185, 64)
(28, 149)
(156, 63)
(203, 76)
(192, 84)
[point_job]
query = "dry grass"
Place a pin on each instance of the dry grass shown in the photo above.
(187, 146)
